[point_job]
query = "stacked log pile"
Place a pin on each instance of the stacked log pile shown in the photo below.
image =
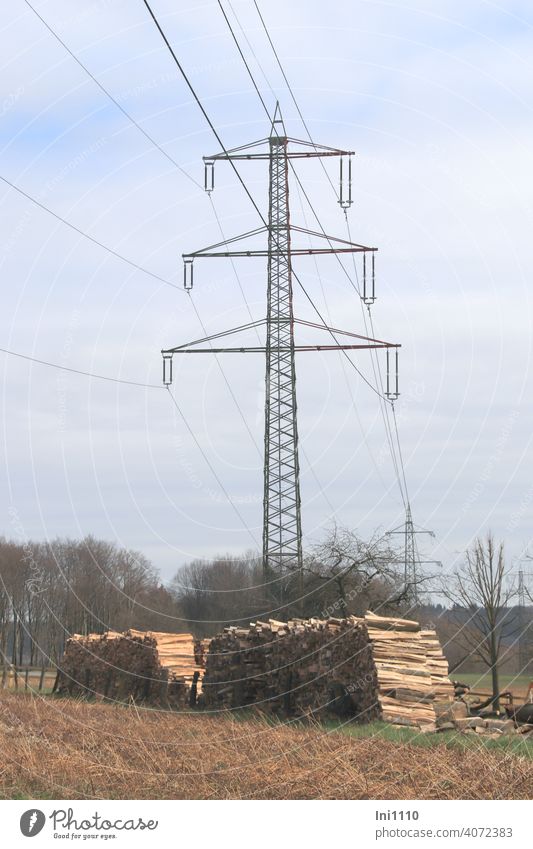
(295, 668)
(411, 667)
(436, 659)
(356, 668)
(365, 668)
(146, 666)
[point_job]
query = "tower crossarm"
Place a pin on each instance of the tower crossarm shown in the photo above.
(215, 250)
(250, 151)
(363, 342)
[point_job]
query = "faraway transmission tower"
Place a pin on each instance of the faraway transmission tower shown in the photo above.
(282, 524)
(411, 559)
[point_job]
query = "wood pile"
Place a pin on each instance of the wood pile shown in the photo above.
(411, 667)
(442, 686)
(295, 668)
(366, 668)
(146, 666)
(361, 668)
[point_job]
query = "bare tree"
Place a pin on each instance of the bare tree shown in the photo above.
(351, 575)
(482, 589)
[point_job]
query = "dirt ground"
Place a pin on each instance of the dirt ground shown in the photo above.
(60, 748)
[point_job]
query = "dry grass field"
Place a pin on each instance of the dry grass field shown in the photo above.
(60, 748)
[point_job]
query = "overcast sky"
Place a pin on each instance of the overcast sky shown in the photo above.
(435, 96)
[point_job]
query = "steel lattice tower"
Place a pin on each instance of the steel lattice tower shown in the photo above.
(282, 526)
(411, 558)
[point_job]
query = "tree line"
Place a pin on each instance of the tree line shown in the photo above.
(51, 590)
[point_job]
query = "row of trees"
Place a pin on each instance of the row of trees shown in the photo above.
(51, 590)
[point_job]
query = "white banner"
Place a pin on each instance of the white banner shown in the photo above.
(234, 824)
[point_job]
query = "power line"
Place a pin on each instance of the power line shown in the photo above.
(373, 354)
(226, 381)
(242, 182)
(79, 371)
(130, 262)
(210, 465)
(301, 189)
(290, 88)
(247, 191)
(201, 107)
(374, 389)
(85, 235)
(295, 173)
(176, 164)
(110, 96)
(260, 96)
(239, 177)
(341, 360)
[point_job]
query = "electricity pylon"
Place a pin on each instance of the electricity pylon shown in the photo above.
(411, 559)
(282, 524)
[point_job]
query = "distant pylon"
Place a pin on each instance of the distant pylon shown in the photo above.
(411, 559)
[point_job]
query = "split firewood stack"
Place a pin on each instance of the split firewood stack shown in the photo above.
(442, 686)
(143, 666)
(295, 668)
(411, 667)
(360, 667)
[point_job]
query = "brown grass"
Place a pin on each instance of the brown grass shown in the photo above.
(58, 748)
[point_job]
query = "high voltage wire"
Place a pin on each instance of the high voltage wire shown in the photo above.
(242, 182)
(79, 371)
(373, 355)
(290, 88)
(154, 142)
(183, 171)
(245, 187)
(110, 96)
(260, 96)
(87, 236)
(210, 465)
(137, 267)
(176, 164)
(217, 359)
(301, 189)
(201, 107)
(195, 182)
(169, 158)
